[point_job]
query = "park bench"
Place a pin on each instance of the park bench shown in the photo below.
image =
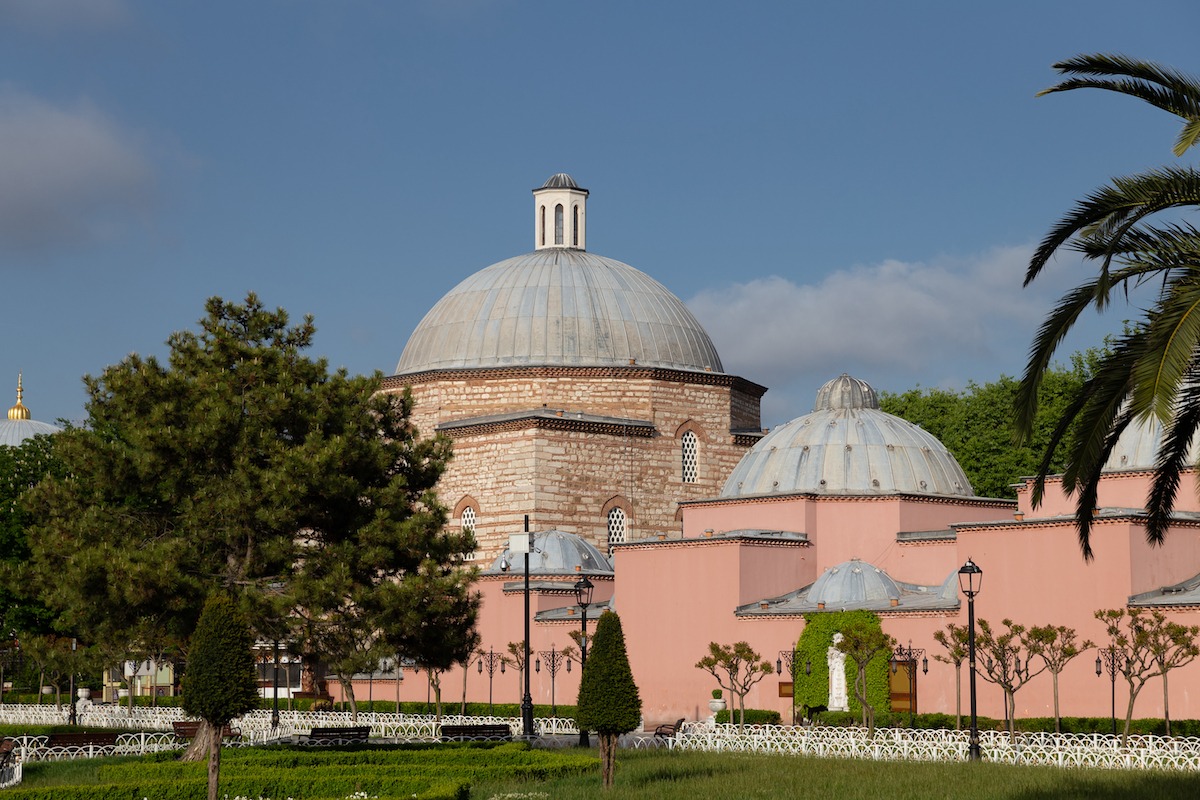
(487, 732)
(189, 728)
(324, 736)
(668, 731)
(95, 742)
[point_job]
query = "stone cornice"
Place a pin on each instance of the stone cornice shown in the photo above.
(543, 421)
(395, 382)
(973, 502)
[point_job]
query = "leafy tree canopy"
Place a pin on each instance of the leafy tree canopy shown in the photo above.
(243, 466)
(977, 426)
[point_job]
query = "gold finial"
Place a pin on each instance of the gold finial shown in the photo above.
(19, 411)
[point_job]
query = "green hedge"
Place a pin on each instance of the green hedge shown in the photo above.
(427, 772)
(564, 710)
(1183, 727)
(754, 716)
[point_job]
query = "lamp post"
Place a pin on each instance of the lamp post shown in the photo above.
(907, 656)
(72, 715)
(583, 596)
(554, 661)
(490, 661)
(970, 580)
(523, 543)
(792, 659)
(1111, 658)
(275, 688)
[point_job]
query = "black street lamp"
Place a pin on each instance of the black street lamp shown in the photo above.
(72, 715)
(275, 688)
(490, 661)
(554, 662)
(792, 659)
(583, 596)
(1111, 658)
(907, 656)
(970, 580)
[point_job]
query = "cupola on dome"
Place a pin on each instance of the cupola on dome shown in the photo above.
(20, 424)
(559, 306)
(847, 446)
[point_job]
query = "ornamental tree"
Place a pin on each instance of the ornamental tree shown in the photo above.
(1056, 645)
(608, 702)
(220, 682)
(737, 668)
(1008, 662)
(955, 640)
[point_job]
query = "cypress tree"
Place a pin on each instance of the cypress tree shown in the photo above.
(608, 703)
(220, 682)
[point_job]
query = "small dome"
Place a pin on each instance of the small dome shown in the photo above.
(559, 307)
(560, 180)
(848, 446)
(853, 584)
(554, 553)
(1138, 447)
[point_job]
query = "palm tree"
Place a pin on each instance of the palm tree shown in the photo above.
(1153, 368)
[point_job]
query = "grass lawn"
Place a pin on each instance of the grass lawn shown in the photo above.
(648, 775)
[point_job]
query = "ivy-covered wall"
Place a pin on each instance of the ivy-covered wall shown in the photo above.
(812, 690)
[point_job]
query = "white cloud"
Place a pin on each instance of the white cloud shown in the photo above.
(68, 175)
(893, 324)
(53, 15)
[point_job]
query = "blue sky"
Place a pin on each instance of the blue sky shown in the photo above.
(831, 187)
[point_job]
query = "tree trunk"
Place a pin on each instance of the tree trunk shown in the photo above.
(1010, 704)
(462, 711)
(741, 712)
(214, 759)
(1057, 716)
(1166, 704)
(1133, 693)
(608, 758)
(435, 680)
(41, 683)
(202, 745)
(958, 695)
(348, 694)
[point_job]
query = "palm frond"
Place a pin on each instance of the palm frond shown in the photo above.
(1173, 457)
(1171, 337)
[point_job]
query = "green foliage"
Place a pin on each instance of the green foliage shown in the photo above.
(812, 690)
(422, 771)
(608, 698)
(753, 716)
(976, 424)
(220, 682)
(21, 468)
(864, 643)
(244, 465)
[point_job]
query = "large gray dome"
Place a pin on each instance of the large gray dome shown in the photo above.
(1137, 449)
(555, 553)
(559, 307)
(847, 446)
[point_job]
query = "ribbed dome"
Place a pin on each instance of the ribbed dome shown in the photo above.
(853, 584)
(560, 180)
(1138, 447)
(559, 307)
(555, 553)
(848, 446)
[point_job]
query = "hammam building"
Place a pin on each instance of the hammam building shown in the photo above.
(576, 389)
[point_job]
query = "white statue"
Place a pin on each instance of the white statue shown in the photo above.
(836, 660)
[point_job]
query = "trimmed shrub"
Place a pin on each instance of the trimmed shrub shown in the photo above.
(754, 716)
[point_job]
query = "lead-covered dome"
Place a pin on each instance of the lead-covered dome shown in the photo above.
(559, 306)
(1137, 449)
(20, 424)
(847, 446)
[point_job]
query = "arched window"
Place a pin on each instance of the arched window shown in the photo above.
(467, 512)
(468, 518)
(542, 227)
(617, 529)
(558, 224)
(689, 447)
(575, 227)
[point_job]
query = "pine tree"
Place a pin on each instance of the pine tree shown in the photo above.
(220, 682)
(608, 698)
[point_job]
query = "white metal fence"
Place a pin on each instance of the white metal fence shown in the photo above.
(888, 744)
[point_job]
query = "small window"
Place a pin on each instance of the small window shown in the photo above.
(468, 521)
(689, 453)
(617, 529)
(542, 228)
(558, 224)
(575, 228)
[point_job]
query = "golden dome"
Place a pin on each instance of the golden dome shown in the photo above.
(19, 411)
